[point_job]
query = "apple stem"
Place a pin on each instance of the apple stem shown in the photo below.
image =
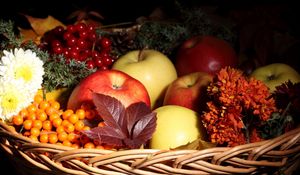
(140, 56)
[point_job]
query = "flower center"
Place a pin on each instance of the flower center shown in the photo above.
(24, 72)
(9, 102)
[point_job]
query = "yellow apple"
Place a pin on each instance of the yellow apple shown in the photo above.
(176, 126)
(61, 95)
(154, 69)
(275, 74)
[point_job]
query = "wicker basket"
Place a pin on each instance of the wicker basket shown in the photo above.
(274, 156)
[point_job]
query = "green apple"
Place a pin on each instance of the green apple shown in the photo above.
(154, 69)
(275, 74)
(176, 126)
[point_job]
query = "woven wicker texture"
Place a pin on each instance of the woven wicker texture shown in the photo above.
(278, 155)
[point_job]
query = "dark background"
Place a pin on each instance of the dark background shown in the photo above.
(264, 22)
(267, 30)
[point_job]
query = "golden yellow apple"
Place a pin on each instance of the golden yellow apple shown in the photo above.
(61, 95)
(152, 68)
(176, 126)
(275, 74)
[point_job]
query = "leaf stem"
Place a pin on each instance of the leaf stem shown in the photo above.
(116, 25)
(286, 109)
(283, 116)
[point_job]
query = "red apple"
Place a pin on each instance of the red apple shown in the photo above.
(189, 91)
(109, 82)
(204, 54)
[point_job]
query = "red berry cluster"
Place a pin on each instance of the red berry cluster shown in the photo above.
(81, 43)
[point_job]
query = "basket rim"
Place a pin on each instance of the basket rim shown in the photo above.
(246, 158)
(4, 127)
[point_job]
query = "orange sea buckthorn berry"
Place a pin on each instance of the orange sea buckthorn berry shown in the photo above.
(35, 132)
(53, 138)
(33, 137)
(72, 137)
(101, 124)
(65, 122)
(27, 124)
(37, 124)
(73, 118)
(67, 113)
(80, 113)
(41, 115)
(60, 129)
(55, 105)
(44, 104)
(89, 145)
(50, 110)
(44, 138)
(17, 120)
(67, 143)
(90, 114)
(85, 128)
(23, 112)
(99, 147)
(31, 116)
(108, 147)
(69, 128)
(54, 116)
(62, 136)
(38, 98)
(75, 145)
(57, 122)
(47, 125)
(31, 108)
(79, 125)
(26, 133)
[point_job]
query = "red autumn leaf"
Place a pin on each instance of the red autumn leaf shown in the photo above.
(111, 110)
(124, 127)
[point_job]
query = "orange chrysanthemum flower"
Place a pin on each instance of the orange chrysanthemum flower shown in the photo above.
(235, 99)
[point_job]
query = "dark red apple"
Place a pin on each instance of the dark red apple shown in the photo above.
(204, 54)
(115, 83)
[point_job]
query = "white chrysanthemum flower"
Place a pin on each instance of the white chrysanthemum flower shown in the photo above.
(23, 65)
(12, 98)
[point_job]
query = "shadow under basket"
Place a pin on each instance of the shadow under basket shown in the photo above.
(275, 156)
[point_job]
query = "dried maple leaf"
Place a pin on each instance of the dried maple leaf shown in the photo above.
(197, 144)
(129, 127)
(42, 25)
(29, 35)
